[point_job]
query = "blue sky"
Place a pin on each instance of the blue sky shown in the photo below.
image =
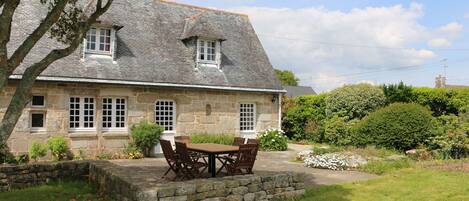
(330, 43)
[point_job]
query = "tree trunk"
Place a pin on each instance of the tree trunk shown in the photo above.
(15, 109)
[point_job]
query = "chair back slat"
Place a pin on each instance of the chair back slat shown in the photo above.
(183, 153)
(238, 141)
(253, 141)
(183, 139)
(168, 151)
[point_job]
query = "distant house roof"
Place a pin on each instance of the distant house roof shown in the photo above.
(151, 48)
(295, 91)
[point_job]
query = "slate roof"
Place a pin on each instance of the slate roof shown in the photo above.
(150, 49)
(295, 91)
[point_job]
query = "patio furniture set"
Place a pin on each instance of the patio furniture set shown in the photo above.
(190, 161)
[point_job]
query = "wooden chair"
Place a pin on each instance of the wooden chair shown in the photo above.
(253, 141)
(238, 141)
(183, 139)
(170, 156)
(244, 161)
(223, 159)
(195, 156)
(188, 167)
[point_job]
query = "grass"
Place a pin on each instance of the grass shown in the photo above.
(385, 166)
(57, 191)
(404, 184)
(212, 138)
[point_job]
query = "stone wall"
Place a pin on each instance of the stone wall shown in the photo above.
(113, 182)
(22, 176)
(197, 111)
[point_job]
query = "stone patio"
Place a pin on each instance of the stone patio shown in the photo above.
(125, 177)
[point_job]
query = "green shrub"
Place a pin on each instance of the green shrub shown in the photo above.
(132, 151)
(336, 132)
(397, 93)
(104, 155)
(450, 146)
(58, 147)
(400, 126)
(438, 100)
(81, 155)
(303, 117)
(354, 101)
(37, 150)
(226, 139)
(273, 140)
(146, 135)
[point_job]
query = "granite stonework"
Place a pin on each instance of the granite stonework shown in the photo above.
(27, 175)
(114, 181)
(197, 111)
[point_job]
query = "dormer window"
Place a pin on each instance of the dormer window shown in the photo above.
(208, 52)
(99, 41)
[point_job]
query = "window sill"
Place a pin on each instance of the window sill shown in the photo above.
(38, 130)
(79, 130)
(83, 135)
(114, 130)
(115, 135)
(207, 64)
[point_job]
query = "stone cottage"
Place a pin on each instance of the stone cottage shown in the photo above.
(187, 68)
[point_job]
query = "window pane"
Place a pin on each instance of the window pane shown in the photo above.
(107, 112)
(164, 111)
(88, 109)
(38, 101)
(120, 113)
(37, 120)
(247, 120)
(74, 116)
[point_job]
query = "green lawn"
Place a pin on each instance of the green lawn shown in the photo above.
(405, 184)
(66, 191)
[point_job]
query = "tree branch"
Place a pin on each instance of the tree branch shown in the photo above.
(23, 90)
(23, 50)
(6, 18)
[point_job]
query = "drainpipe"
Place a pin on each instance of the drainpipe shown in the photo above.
(280, 111)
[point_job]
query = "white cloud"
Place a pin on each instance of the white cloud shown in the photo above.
(315, 41)
(466, 15)
(438, 42)
(452, 27)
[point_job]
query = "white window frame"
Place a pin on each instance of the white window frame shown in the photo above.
(37, 129)
(254, 118)
(205, 61)
(81, 122)
(113, 122)
(98, 42)
(38, 106)
(174, 121)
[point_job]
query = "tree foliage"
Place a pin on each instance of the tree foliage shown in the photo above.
(287, 78)
(67, 21)
(397, 93)
(303, 119)
(354, 101)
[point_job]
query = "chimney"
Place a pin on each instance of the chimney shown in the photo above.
(440, 82)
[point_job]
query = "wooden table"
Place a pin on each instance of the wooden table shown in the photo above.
(212, 150)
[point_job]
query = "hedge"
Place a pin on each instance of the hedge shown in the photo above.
(399, 126)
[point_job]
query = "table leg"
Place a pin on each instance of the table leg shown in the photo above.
(212, 165)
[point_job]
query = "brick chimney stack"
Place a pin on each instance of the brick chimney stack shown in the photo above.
(440, 81)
